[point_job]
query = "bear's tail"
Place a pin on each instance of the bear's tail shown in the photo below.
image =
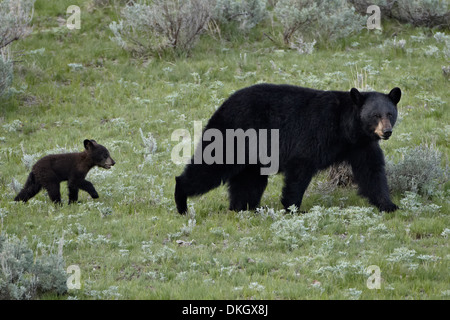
(29, 190)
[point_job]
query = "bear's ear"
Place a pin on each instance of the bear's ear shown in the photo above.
(395, 95)
(88, 144)
(357, 97)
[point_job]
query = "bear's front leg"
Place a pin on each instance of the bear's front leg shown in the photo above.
(369, 173)
(246, 189)
(73, 193)
(89, 188)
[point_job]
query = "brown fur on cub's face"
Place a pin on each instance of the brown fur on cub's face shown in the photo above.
(51, 170)
(99, 154)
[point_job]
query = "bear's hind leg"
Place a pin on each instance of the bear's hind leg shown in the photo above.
(30, 189)
(246, 189)
(53, 192)
(296, 179)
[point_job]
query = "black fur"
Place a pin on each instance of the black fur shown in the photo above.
(316, 129)
(51, 170)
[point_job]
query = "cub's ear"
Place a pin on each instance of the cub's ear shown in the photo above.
(357, 97)
(395, 95)
(88, 144)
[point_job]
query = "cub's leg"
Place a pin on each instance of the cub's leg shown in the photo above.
(29, 190)
(53, 191)
(73, 192)
(88, 187)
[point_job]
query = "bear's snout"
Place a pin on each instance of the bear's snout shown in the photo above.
(384, 129)
(109, 163)
(387, 133)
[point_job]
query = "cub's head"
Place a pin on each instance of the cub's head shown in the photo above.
(99, 154)
(378, 111)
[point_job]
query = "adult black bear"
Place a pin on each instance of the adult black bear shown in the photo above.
(315, 130)
(49, 171)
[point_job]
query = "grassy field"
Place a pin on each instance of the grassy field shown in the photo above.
(132, 244)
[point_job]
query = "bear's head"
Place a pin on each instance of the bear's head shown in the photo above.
(99, 154)
(377, 111)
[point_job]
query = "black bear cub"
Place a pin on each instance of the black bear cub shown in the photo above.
(49, 171)
(314, 129)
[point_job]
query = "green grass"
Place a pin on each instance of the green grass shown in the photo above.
(125, 243)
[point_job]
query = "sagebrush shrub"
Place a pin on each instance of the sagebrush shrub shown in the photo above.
(289, 231)
(248, 13)
(150, 28)
(23, 278)
(430, 13)
(295, 15)
(150, 145)
(418, 171)
(338, 20)
(302, 46)
(362, 5)
(104, 3)
(427, 13)
(328, 20)
(6, 75)
(15, 17)
(340, 175)
(446, 51)
(50, 274)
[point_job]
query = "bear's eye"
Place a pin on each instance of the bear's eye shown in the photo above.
(377, 115)
(389, 115)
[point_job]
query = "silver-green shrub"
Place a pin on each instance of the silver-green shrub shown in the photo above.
(338, 20)
(248, 13)
(420, 170)
(430, 13)
(423, 12)
(446, 51)
(362, 5)
(328, 20)
(296, 15)
(150, 28)
(15, 18)
(6, 75)
(50, 274)
(22, 278)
